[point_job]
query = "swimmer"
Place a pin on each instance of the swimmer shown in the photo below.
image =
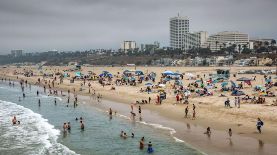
(133, 135)
(125, 135)
(121, 133)
(76, 119)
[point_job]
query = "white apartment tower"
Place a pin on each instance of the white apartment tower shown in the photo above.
(179, 26)
(128, 45)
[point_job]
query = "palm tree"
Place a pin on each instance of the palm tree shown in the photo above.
(273, 42)
(239, 47)
(224, 45)
(216, 45)
(234, 47)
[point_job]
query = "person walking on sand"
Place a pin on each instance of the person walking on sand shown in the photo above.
(186, 112)
(193, 114)
(132, 107)
(259, 125)
(238, 102)
(230, 132)
(149, 100)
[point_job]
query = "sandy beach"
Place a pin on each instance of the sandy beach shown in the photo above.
(210, 110)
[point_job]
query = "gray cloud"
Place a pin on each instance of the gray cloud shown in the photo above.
(41, 25)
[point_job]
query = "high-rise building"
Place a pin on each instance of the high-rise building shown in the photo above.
(178, 27)
(128, 45)
(227, 38)
(194, 40)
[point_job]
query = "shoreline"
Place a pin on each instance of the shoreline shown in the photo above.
(166, 111)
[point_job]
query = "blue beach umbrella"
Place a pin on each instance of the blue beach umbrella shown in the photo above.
(148, 84)
(223, 84)
(168, 73)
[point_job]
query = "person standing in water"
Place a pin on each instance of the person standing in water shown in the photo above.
(37, 92)
(68, 126)
(55, 101)
(39, 102)
(139, 111)
(150, 149)
(14, 120)
(141, 143)
(110, 112)
(64, 127)
(82, 125)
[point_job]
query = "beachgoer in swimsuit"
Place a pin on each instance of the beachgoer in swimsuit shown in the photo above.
(141, 143)
(82, 125)
(14, 120)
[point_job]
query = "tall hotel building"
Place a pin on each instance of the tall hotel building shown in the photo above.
(179, 26)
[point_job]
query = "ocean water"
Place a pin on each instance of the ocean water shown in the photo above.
(41, 132)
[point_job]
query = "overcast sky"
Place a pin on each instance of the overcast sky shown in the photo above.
(42, 25)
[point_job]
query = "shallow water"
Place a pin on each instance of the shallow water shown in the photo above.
(40, 131)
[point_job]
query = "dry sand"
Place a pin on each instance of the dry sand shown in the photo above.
(210, 110)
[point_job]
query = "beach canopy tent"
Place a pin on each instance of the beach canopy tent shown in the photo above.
(152, 75)
(190, 75)
(237, 93)
(223, 73)
(166, 79)
(243, 79)
(106, 74)
(259, 87)
(268, 80)
(178, 82)
(78, 74)
(78, 67)
(139, 72)
(224, 84)
(161, 85)
(148, 84)
(168, 73)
